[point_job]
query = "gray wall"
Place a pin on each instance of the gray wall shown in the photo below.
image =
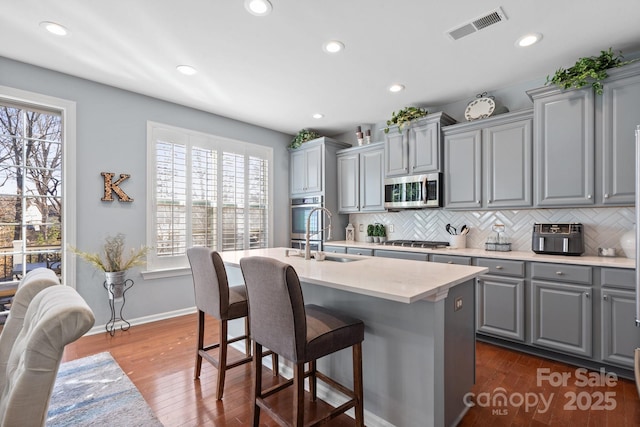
(111, 137)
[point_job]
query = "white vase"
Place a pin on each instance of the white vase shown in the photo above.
(628, 243)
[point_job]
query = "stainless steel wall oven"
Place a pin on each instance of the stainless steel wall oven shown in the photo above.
(300, 210)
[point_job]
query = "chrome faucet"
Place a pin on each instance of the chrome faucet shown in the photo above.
(307, 249)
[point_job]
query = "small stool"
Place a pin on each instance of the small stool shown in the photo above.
(279, 320)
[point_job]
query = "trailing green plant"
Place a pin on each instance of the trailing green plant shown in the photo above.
(112, 257)
(403, 117)
(371, 229)
(303, 136)
(588, 70)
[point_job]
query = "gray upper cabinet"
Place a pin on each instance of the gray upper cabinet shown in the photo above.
(563, 146)
(620, 106)
(463, 169)
(360, 179)
(313, 167)
(488, 163)
(584, 143)
(416, 149)
(306, 170)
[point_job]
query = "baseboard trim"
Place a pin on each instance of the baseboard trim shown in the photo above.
(145, 319)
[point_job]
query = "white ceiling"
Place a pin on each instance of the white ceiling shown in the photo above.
(272, 71)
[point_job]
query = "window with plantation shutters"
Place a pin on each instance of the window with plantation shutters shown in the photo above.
(205, 191)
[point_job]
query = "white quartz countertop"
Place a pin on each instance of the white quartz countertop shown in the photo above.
(392, 279)
(595, 261)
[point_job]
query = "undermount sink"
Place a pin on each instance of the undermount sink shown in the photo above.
(339, 258)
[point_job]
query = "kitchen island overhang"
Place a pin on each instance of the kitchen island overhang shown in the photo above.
(419, 347)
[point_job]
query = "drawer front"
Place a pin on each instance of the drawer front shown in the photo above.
(335, 249)
(416, 256)
(502, 267)
(562, 273)
(619, 278)
(360, 251)
(451, 259)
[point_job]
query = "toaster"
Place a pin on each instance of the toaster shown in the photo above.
(558, 239)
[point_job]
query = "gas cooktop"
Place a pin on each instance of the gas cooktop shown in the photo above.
(416, 243)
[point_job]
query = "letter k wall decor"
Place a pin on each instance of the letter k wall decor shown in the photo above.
(111, 187)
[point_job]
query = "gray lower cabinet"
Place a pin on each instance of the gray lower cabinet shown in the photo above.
(561, 317)
(360, 179)
(619, 335)
(360, 251)
(450, 259)
(562, 308)
(500, 307)
(488, 164)
(416, 256)
(335, 249)
(500, 299)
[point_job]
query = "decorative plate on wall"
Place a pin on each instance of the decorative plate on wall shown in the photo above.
(480, 108)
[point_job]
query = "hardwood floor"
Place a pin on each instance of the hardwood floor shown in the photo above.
(159, 359)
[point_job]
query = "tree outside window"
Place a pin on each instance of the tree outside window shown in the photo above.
(30, 190)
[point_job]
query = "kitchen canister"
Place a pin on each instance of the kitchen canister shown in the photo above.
(628, 243)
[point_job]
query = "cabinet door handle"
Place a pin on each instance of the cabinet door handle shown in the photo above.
(588, 196)
(587, 295)
(499, 267)
(449, 262)
(606, 196)
(489, 201)
(605, 297)
(478, 202)
(559, 273)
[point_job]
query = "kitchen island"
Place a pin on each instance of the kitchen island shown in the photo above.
(419, 346)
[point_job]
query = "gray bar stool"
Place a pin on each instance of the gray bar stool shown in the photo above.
(279, 320)
(214, 297)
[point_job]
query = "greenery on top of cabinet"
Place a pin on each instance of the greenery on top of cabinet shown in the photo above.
(303, 136)
(404, 117)
(587, 70)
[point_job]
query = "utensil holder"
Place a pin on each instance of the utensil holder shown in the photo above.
(458, 241)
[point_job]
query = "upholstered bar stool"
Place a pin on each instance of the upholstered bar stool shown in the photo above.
(214, 297)
(279, 320)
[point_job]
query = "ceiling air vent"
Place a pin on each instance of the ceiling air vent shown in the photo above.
(491, 18)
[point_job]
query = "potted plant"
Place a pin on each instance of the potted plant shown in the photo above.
(381, 232)
(303, 136)
(588, 70)
(404, 117)
(113, 262)
(370, 232)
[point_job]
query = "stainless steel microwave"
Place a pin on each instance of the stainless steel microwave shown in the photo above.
(413, 192)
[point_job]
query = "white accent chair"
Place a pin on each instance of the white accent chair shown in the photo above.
(56, 317)
(30, 285)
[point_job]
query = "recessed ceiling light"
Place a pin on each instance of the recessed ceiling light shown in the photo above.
(396, 87)
(187, 70)
(318, 116)
(258, 7)
(54, 28)
(333, 46)
(529, 39)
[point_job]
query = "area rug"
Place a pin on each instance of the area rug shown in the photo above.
(94, 391)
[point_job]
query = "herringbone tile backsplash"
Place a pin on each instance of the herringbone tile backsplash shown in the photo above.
(602, 226)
